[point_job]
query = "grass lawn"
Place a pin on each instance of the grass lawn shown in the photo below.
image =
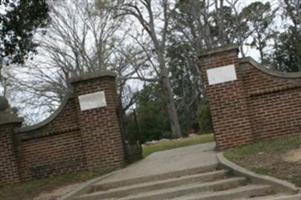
(166, 145)
(280, 158)
(29, 190)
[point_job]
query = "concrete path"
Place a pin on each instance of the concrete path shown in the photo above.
(169, 161)
(188, 173)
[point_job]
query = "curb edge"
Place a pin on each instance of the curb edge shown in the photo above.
(84, 187)
(280, 185)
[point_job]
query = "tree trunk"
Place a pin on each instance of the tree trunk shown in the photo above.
(168, 97)
(260, 48)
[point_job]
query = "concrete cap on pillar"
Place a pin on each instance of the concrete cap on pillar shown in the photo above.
(3, 103)
(219, 50)
(93, 75)
(7, 114)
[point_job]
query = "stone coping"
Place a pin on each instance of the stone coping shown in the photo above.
(219, 50)
(11, 119)
(49, 119)
(28, 136)
(93, 75)
(286, 75)
(273, 90)
(88, 76)
(3, 103)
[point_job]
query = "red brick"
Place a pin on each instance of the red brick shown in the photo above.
(73, 141)
(256, 106)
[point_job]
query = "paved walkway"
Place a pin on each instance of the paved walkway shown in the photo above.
(169, 161)
(188, 173)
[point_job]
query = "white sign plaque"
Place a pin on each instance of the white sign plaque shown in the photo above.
(221, 74)
(92, 101)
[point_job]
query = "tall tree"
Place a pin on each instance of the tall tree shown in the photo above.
(259, 25)
(287, 56)
(186, 82)
(155, 18)
(19, 21)
(198, 25)
(191, 18)
(151, 120)
(88, 41)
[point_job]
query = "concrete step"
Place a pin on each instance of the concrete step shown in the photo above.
(231, 194)
(177, 191)
(276, 197)
(157, 185)
(157, 177)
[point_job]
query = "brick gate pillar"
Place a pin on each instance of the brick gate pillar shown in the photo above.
(227, 101)
(96, 99)
(9, 121)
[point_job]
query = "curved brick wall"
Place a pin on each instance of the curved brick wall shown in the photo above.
(52, 147)
(274, 102)
(68, 141)
(257, 104)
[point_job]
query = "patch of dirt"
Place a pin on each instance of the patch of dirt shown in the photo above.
(293, 156)
(274, 164)
(56, 194)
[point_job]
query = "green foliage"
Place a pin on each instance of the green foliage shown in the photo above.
(262, 21)
(276, 145)
(287, 55)
(18, 23)
(131, 129)
(204, 118)
(152, 120)
(230, 26)
(259, 25)
(186, 83)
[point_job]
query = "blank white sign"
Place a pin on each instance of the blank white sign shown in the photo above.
(92, 101)
(221, 74)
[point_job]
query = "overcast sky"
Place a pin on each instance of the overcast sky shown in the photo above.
(250, 52)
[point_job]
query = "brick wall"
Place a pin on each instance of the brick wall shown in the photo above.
(102, 141)
(51, 155)
(70, 140)
(52, 147)
(259, 104)
(8, 166)
(227, 102)
(274, 101)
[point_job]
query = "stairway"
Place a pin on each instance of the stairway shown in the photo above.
(203, 183)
